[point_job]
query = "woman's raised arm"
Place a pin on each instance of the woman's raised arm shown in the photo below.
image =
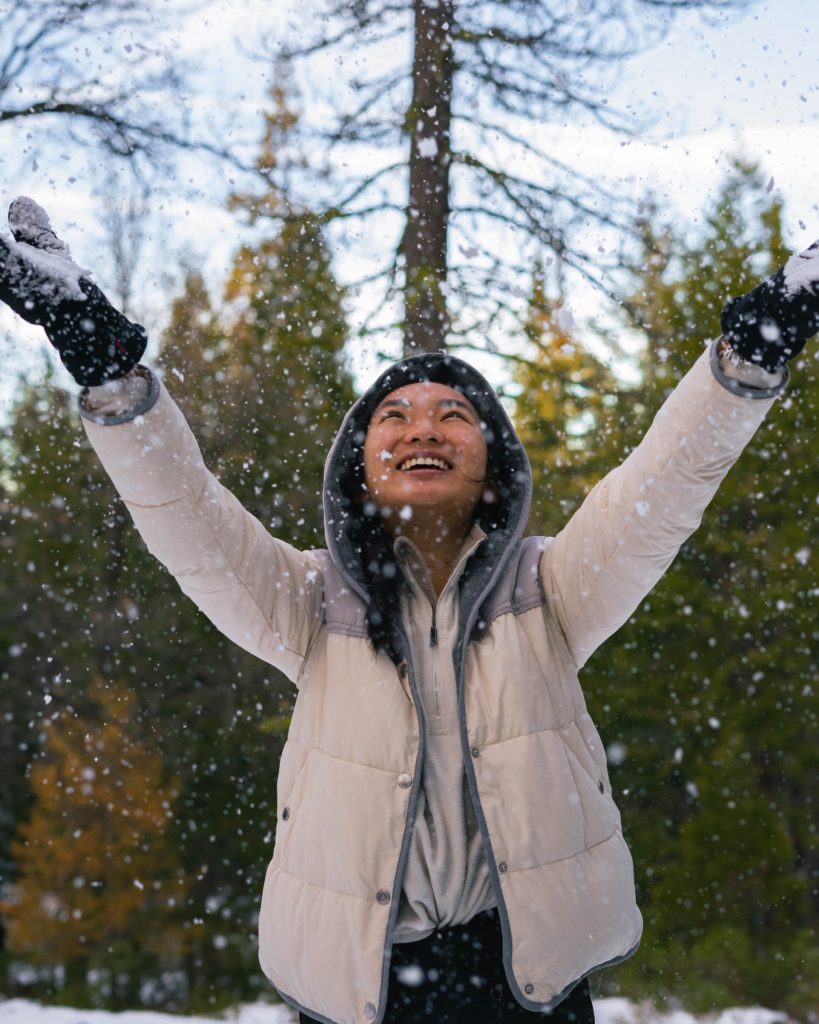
(630, 527)
(259, 591)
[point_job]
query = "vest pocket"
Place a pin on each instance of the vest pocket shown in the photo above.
(593, 801)
(289, 797)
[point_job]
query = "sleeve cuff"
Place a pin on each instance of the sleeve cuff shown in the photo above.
(743, 378)
(122, 400)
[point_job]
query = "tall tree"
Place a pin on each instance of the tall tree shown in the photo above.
(449, 99)
(99, 884)
(264, 383)
(706, 696)
(566, 410)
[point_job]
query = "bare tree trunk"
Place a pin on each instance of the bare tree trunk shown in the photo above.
(426, 322)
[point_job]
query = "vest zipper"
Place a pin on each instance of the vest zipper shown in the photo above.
(433, 643)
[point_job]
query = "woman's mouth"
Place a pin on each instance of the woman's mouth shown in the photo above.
(416, 462)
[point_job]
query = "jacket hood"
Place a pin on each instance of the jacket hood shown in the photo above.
(508, 466)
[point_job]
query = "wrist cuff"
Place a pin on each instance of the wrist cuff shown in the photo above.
(125, 403)
(742, 378)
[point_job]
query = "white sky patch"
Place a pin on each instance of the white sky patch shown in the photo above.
(715, 88)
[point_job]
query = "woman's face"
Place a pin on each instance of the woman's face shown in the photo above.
(425, 450)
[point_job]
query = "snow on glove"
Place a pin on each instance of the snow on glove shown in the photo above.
(43, 285)
(771, 324)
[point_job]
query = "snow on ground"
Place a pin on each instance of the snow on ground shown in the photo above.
(20, 1011)
(607, 1011)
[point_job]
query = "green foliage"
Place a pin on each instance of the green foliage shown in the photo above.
(264, 386)
(566, 406)
(707, 696)
(99, 887)
(710, 688)
(263, 382)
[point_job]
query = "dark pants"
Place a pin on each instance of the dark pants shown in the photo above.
(456, 976)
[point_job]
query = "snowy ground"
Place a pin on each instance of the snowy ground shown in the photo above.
(607, 1011)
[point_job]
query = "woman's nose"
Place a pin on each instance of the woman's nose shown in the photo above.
(424, 431)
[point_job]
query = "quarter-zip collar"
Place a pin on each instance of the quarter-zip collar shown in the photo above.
(408, 554)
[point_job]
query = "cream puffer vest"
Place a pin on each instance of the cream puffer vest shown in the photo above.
(532, 611)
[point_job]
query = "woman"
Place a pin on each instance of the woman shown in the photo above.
(447, 843)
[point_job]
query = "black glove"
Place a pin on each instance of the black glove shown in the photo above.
(771, 324)
(43, 285)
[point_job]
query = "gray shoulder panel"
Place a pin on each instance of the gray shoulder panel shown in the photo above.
(345, 612)
(518, 589)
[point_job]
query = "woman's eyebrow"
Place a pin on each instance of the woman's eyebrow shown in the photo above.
(405, 403)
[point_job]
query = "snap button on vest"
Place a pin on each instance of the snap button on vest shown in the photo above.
(369, 1011)
(404, 780)
(382, 896)
(475, 752)
(402, 671)
(601, 787)
(529, 989)
(503, 867)
(285, 814)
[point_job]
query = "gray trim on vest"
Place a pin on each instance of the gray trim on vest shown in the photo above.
(344, 611)
(406, 840)
(147, 403)
(517, 591)
(345, 614)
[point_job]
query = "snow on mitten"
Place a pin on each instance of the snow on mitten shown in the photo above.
(43, 285)
(771, 324)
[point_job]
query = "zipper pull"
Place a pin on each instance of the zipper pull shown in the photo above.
(433, 635)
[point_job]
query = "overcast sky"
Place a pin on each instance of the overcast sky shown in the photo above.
(717, 87)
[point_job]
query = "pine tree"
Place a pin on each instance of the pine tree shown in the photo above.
(258, 382)
(60, 563)
(264, 385)
(99, 884)
(565, 412)
(708, 691)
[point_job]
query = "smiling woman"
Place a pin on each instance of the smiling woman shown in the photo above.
(447, 845)
(425, 470)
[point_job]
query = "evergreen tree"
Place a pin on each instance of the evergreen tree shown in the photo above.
(58, 617)
(565, 412)
(99, 885)
(708, 692)
(264, 386)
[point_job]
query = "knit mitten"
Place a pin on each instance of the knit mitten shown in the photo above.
(771, 324)
(43, 285)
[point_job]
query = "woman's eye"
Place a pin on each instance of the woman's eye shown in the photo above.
(391, 414)
(456, 414)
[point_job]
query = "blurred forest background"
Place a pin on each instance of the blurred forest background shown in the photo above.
(139, 749)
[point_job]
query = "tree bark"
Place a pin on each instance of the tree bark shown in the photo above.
(426, 320)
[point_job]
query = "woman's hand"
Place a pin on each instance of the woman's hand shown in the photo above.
(43, 285)
(771, 324)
